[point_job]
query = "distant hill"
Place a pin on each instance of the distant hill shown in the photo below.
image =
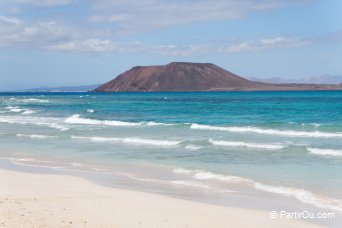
(183, 76)
(64, 89)
(321, 79)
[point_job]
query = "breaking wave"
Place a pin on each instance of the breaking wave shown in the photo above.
(27, 112)
(36, 136)
(288, 133)
(28, 100)
(152, 142)
(17, 109)
(151, 123)
(77, 119)
(40, 121)
(193, 147)
(325, 152)
(301, 195)
(248, 145)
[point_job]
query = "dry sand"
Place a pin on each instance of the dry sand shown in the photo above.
(48, 200)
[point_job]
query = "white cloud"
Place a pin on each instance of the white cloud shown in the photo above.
(88, 45)
(145, 15)
(10, 20)
(113, 17)
(108, 46)
(181, 50)
(267, 43)
(15, 33)
(46, 3)
(52, 36)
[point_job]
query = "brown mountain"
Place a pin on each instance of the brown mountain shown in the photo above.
(180, 76)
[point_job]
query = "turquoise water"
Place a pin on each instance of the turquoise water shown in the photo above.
(285, 143)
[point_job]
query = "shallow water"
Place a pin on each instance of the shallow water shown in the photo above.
(279, 143)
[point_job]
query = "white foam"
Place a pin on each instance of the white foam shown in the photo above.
(175, 182)
(151, 123)
(248, 145)
(302, 195)
(40, 121)
(119, 123)
(18, 109)
(27, 112)
(193, 147)
(204, 175)
(15, 109)
(182, 171)
(36, 136)
(288, 133)
(58, 127)
(311, 124)
(77, 119)
(28, 100)
(305, 124)
(299, 194)
(96, 139)
(152, 142)
(325, 152)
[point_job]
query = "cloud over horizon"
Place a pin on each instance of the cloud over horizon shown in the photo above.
(226, 32)
(51, 36)
(119, 17)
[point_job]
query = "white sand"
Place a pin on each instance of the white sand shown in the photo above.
(46, 200)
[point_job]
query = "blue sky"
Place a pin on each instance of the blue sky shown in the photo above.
(81, 42)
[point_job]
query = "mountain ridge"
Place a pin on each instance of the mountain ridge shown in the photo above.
(83, 88)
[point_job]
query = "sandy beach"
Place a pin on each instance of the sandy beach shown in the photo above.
(48, 200)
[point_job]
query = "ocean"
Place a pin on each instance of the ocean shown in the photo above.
(276, 144)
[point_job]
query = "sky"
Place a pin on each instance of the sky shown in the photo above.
(50, 43)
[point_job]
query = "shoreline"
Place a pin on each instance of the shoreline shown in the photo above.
(30, 183)
(54, 200)
(229, 156)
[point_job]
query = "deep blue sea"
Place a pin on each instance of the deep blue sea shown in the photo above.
(280, 143)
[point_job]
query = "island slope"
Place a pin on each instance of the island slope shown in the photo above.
(182, 76)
